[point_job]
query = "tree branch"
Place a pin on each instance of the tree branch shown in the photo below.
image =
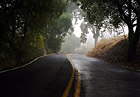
(129, 3)
(134, 25)
(24, 32)
(138, 1)
(123, 15)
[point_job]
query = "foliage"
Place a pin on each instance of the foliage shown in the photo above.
(85, 27)
(71, 42)
(76, 12)
(116, 11)
(22, 23)
(56, 32)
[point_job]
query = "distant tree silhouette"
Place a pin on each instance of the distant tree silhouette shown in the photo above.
(116, 11)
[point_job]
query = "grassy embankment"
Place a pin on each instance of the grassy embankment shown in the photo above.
(114, 50)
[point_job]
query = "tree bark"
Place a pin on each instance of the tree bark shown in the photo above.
(95, 40)
(18, 54)
(132, 49)
(133, 42)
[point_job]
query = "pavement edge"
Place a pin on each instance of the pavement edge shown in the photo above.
(3, 71)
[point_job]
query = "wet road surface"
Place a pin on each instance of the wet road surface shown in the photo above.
(46, 77)
(101, 79)
(50, 76)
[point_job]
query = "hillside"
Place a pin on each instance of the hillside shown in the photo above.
(114, 50)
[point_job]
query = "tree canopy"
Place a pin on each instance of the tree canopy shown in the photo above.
(115, 12)
(56, 32)
(28, 27)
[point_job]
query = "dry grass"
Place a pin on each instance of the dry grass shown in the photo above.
(115, 50)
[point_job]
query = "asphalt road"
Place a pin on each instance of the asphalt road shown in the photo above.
(46, 77)
(101, 79)
(52, 76)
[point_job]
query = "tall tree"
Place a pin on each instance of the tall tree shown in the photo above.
(116, 11)
(85, 27)
(56, 31)
(75, 11)
(19, 18)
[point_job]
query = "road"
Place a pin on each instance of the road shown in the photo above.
(101, 79)
(75, 76)
(46, 77)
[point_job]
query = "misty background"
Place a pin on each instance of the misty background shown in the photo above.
(87, 35)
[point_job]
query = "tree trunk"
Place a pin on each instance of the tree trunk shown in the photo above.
(96, 34)
(132, 50)
(95, 40)
(19, 58)
(133, 42)
(18, 54)
(45, 46)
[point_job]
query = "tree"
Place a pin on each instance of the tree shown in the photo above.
(85, 27)
(21, 18)
(71, 42)
(55, 33)
(76, 12)
(116, 11)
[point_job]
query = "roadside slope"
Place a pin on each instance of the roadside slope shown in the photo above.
(114, 50)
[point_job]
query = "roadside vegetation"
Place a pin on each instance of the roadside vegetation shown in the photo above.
(31, 28)
(114, 50)
(114, 13)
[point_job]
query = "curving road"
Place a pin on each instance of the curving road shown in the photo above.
(75, 76)
(46, 77)
(101, 79)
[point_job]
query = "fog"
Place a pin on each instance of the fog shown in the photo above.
(89, 33)
(84, 48)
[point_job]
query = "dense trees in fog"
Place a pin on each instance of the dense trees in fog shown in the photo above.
(28, 28)
(116, 12)
(71, 42)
